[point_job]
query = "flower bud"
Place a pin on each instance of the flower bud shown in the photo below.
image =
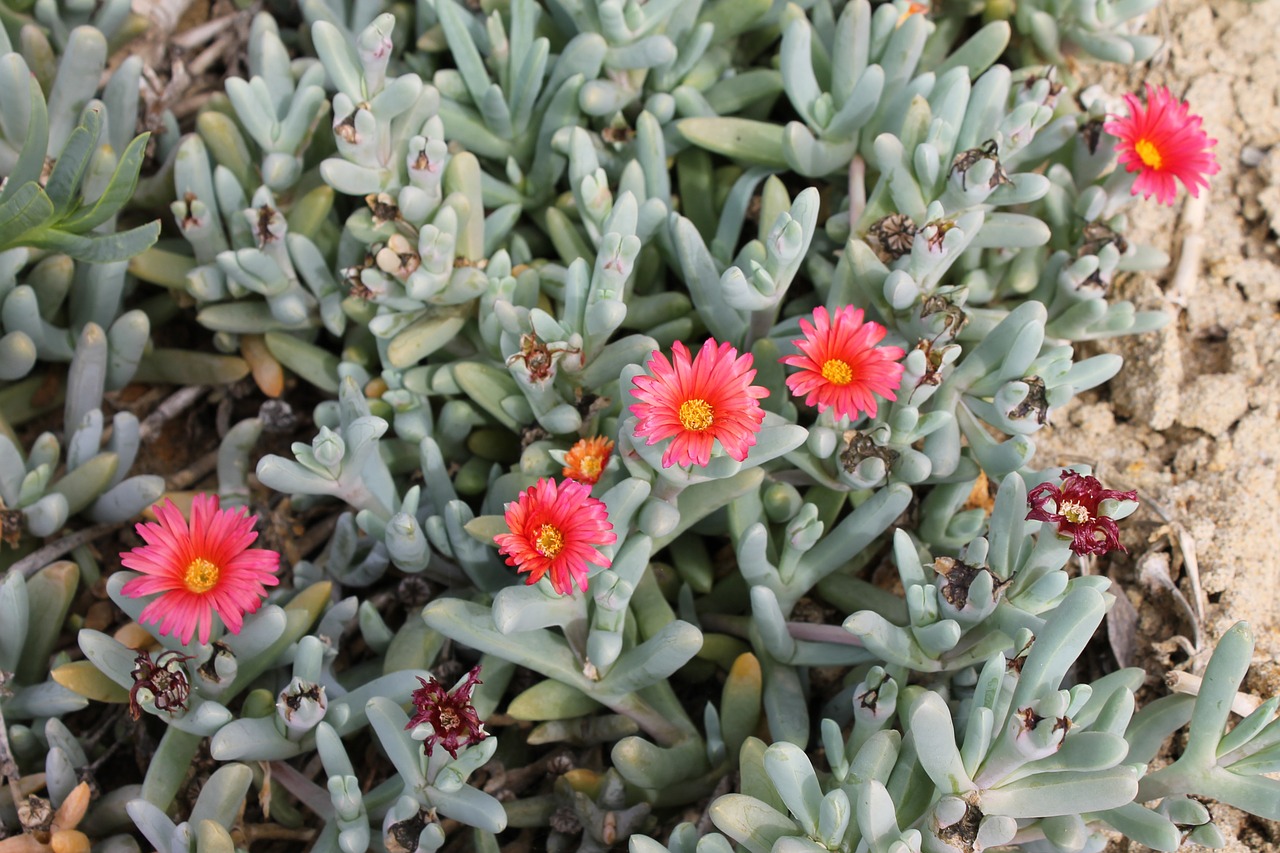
(301, 706)
(328, 449)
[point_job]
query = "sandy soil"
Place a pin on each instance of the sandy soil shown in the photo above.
(1191, 421)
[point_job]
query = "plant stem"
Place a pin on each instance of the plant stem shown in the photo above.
(8, 766)
(169, 409)
(309, 793)
(37, 560)
(666, 732)
(822, 633)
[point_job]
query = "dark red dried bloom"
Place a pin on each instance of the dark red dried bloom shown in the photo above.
(453, 721)
(1076, 512)
(165, 677)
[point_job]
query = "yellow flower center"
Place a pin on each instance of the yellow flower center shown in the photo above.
(837, 372)
(696, 414)
(549, 542)
(590, 466)
(1074, 512)
(201, 576)
(449, 719)
(1148, 153)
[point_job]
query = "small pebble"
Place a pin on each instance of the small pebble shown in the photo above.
(100, 615)
(1252, 156)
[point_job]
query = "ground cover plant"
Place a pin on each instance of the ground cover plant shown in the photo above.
(664, 379)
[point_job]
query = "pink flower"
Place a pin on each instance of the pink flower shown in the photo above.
(697, 402)
(453, 720)
(200, 570)
(554, 530)
(841, 366)
(1076, 512)
(1162, 142)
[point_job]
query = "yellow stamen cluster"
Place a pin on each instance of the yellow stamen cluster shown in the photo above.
(1074, 512)
(590, 465)
(837, 372)
(201, 576)
(1149, 153)
(696, 414)
(549, 541)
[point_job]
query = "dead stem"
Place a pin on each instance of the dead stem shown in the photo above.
(173, 406)
(1186, 274)
(195, 472)
(37, 560)
(857, 190)
(8, 767)
(309, 793)
(1187, 684)
(275, 832)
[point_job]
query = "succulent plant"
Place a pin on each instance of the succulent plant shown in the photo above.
(476, 231)
(71, 165)
(95, 480)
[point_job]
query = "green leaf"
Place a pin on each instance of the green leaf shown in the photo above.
(551, 700)
(316, 365)
(754, 824)
(465, 55)
(73, 160)
(485, 527)
(26, 210)
(49, 593)
(756, 142)
(119, 190)
(30, 163)
(99, 248)
(179, 367)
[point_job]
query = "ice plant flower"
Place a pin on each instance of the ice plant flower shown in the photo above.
(1076, 512)
(454, 722)
(555, 529)
(1162, 142)
(696, 402)
(841, 367)
(200, 569)
(586, 459)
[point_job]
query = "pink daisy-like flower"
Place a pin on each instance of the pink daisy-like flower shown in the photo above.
(1076, 512)
(554, 530)
(453, 719)
(841, 367)
(201, 569)
(1162, 142)
(697, 401)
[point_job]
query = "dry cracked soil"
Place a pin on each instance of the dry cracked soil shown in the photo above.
(1191, 421)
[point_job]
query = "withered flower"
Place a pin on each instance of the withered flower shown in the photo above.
(454, 722)
(1076, 512)
(165, 677)
(966, 160)
(893, 235)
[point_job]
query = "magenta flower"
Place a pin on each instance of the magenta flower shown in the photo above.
(696, 402)
(200, 570)
(555, 529)
(1076, 512)
(1163, 141)
(841, 367)
(454, 722)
